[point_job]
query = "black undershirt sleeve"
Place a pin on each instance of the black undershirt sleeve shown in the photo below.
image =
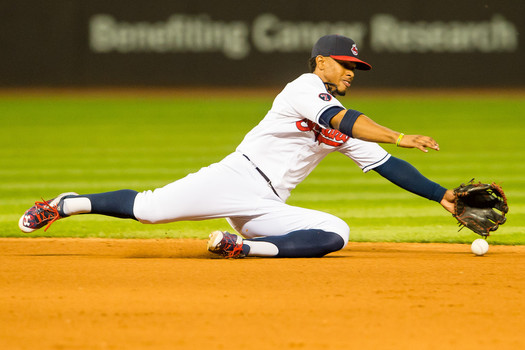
(347, 123)
(406, 176)
(327, 116)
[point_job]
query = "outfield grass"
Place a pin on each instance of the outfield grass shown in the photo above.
(52, 144)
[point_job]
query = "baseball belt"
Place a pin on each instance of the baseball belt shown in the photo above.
(266, 178)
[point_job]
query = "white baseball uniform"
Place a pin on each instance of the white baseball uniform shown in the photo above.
(285, 147)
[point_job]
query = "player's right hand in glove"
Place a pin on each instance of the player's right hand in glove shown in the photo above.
(480, 207)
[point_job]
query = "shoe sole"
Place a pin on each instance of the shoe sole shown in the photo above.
(53, 202)
(215, 238)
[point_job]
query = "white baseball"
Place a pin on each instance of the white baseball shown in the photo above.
(479, 246)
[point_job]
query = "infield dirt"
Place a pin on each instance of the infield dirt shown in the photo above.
(172, 294)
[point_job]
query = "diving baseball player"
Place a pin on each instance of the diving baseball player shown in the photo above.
(250, 186)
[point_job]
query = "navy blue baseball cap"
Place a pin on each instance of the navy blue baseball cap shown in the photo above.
(340, 48)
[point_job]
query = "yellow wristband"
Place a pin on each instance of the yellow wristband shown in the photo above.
(399, 139)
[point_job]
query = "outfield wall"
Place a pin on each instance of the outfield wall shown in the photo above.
(410, 43)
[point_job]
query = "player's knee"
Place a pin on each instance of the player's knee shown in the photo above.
(331, 243)
(339, 227)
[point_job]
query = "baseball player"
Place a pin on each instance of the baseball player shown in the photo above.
(250, 186)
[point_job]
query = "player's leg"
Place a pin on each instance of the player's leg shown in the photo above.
(231, 187)
(219, 190)
(283, 231)
(117, 204)
(296, 244)
(295, 232)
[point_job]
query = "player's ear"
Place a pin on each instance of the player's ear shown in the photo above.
(320, 62)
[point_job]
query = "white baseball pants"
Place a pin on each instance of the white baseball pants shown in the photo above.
(234, 190)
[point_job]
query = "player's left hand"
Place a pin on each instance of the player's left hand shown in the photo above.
(448, 201)
(480, 207)
(420, 142)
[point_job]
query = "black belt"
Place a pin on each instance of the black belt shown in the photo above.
(268, 181)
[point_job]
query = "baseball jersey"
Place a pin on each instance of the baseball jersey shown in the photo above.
(289, 142)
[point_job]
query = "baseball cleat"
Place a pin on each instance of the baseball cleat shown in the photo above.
(226, 244)
(43, 213)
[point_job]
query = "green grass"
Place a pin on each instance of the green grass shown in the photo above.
(53, 144)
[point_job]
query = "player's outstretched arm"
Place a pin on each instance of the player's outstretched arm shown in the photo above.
(364, 128)
(396, 170)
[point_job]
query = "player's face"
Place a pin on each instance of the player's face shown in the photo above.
(339, 73)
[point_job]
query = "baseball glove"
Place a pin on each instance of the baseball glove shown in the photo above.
(480, 207)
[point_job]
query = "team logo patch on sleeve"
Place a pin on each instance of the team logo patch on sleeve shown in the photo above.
(325, 97)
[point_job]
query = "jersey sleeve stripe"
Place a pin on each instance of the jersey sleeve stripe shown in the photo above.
(376, 164)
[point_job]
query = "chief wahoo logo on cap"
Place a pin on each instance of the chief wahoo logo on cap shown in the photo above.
(354, 50)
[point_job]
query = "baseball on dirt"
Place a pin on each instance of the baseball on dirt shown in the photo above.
(479, 246)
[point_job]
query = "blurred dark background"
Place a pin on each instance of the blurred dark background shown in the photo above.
(167, 43)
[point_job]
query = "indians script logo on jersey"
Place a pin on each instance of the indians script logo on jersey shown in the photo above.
(329, 137)
(325, 97)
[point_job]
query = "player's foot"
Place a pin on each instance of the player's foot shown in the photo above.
(43, 213)
(226, 244)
